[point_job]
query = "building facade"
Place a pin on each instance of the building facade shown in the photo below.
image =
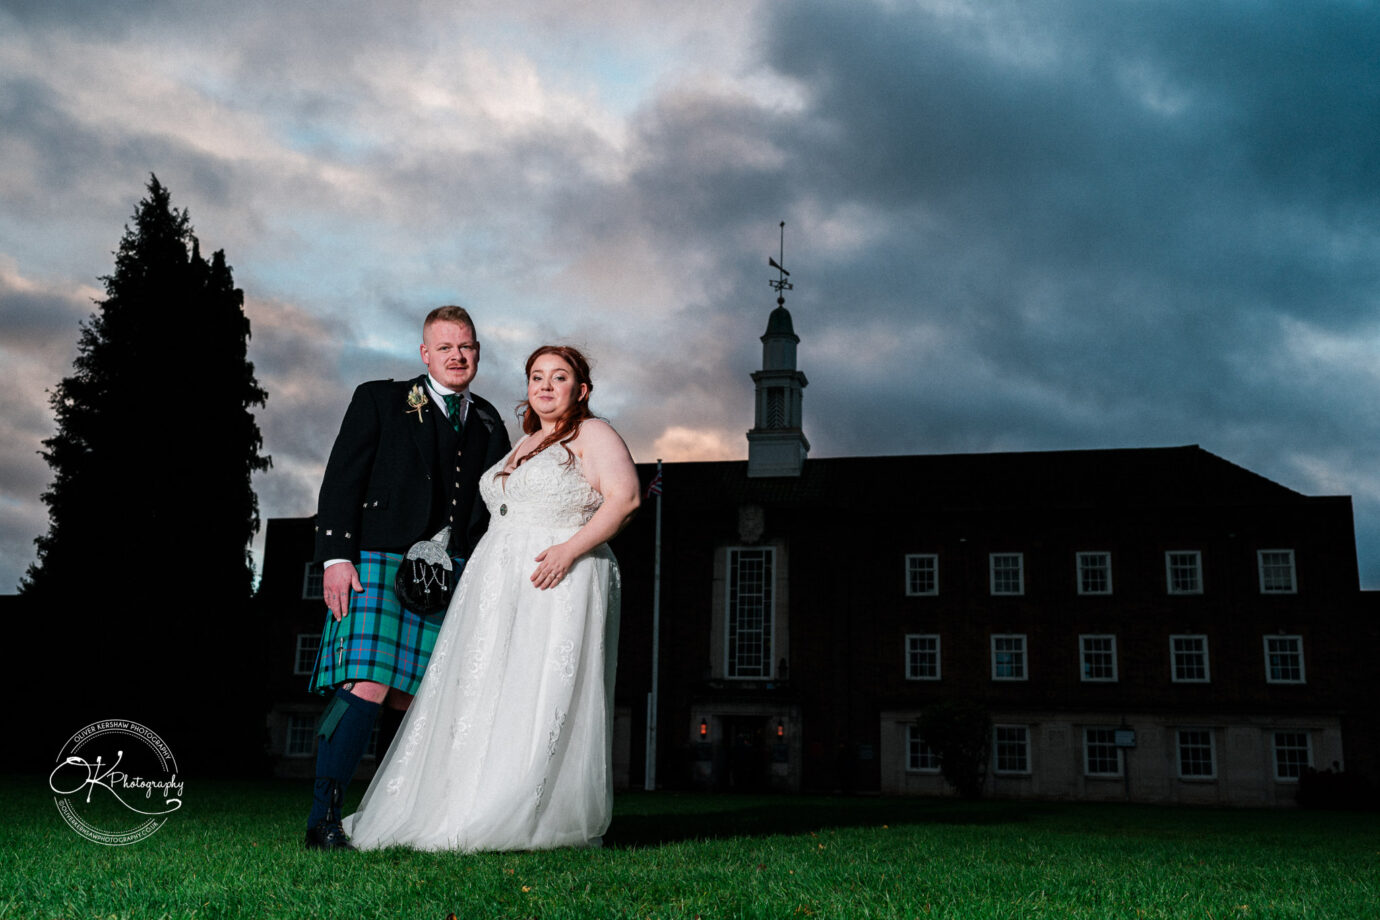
(1154, 625)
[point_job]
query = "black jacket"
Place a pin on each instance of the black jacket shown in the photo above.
(385, 485)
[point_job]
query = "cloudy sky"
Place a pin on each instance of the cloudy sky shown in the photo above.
(1011, 225)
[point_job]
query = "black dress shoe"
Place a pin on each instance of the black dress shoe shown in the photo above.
(328, 835)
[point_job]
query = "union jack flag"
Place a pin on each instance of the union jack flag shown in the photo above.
(654, 488)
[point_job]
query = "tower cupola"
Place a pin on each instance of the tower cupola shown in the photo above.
(776, 443)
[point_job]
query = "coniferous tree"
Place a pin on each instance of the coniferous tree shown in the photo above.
(151, 507)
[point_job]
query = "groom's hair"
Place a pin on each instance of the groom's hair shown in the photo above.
(450, 314)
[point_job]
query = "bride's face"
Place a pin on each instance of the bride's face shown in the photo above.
(551, 388)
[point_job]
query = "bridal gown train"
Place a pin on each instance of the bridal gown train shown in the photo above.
(508, 743)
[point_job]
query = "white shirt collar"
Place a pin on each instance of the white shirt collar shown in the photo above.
(443, 391)
(440, 390)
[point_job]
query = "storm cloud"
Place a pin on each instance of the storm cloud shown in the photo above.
(1010, 226)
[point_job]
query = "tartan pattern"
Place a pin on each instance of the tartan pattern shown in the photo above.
(381, 640)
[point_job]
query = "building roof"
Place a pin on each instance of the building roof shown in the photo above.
(1129, 477)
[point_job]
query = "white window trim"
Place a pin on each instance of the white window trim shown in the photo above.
(1293, 572)
(1169, 571)
(1303, 664)
(911, 732)
(1207, 660)
(992, 575)
(297, 653)
(1025, 655)
(1078, 571)
(1082, 660)
(307, 594)
(1029, 766)
(1120, 754)
(938, 656)
(1179, 756)
(769, 618)
(934, 557)
(298, 718)
(1274, 753)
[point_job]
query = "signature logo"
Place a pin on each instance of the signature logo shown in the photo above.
(115, 782)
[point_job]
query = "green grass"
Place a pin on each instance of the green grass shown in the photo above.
(235, 851)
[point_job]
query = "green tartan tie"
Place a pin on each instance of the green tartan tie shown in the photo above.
(453, 403)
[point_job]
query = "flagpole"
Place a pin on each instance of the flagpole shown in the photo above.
(650, 784)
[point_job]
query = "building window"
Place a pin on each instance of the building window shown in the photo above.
(1099, 657)
(304, 662)
(1293, 755)
(1284, 659)
(1008, 658)
(1196, 760)
(922, 575)
(301, 735)
(922, 658)
(1007, 573)
(1183, 570)
(750, 612)
(1094, 573)
(1277, 571)
(920, 757)
(1189, 659)
(1101, 756)
(1012, 748)
(312, 576)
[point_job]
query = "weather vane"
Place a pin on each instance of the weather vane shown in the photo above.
(780, 284)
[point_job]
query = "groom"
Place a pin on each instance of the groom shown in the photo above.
(405, 465)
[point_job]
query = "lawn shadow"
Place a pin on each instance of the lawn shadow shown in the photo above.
(652, 819)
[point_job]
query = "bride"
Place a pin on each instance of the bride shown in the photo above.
(508, 743)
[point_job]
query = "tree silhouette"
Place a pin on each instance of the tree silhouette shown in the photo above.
(151, 508)
(959, 731)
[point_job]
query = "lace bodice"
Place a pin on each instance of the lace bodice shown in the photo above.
(543, 492)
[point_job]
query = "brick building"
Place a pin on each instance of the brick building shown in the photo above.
(1147, 624)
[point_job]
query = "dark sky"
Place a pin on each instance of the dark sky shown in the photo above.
(1011, 226)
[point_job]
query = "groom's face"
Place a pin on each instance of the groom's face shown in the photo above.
(451, 353)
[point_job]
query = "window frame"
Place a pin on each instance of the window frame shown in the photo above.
(1174, 660)
(1293, 587)
(1169, 568)
(1083, 556)
(1083, 652)
(916, 749)
(1276, 749)
(1024, 745)
(768, 629)
(912, 673)
(313, 581)
(1179, 750)
(1024, 652)
(1109, 742)
(304, 639)
(297, 723)
(1298, 653)
(933, 559)
(992, 574)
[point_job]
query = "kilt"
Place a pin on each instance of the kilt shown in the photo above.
(381, 640)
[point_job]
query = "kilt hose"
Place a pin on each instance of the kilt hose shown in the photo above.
(381, 640)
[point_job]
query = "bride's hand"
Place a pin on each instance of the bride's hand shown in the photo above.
(552, 564)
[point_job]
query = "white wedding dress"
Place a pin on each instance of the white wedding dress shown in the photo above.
(508, 744)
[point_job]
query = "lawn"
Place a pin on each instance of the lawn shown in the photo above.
(234, 851)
